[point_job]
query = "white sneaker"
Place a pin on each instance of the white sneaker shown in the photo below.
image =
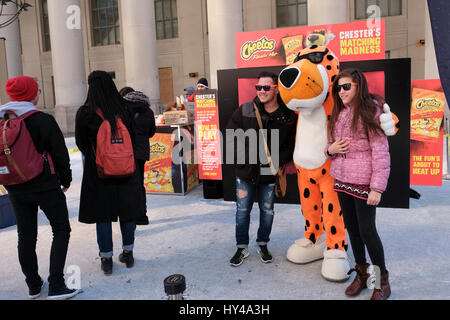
(335, 266)
(305, 251)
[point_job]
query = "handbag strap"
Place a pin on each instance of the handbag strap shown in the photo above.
(258, 117)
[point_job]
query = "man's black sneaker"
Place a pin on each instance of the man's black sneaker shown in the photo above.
(35, 291)
(62, 293)
(107, 265)
(265, 254)
(239, 257)
(127, 258)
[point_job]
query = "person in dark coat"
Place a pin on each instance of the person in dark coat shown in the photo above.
(103, 201)
(46, 191)
(145, 128)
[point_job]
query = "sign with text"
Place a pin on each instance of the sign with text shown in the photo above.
(353, 41)
(208, 135)
(427, 132)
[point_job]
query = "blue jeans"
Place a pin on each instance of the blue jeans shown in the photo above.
(104, 237)
(245, 193)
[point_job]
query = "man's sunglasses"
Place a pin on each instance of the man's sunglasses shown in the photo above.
(314, 57)
(345, 86)
(265, 88)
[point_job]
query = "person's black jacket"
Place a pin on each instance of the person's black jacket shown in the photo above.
(104, 200)
(144, 127)
(282, 119)
(47, 136)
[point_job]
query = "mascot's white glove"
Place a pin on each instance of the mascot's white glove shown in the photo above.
(387, 122)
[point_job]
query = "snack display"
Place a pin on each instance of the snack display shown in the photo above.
(158, 171)
(427, 112)
(292, 45)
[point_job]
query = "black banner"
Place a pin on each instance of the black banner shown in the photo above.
(440, 25)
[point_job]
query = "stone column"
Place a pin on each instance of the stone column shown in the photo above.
(224, 21)
(67, 60)
(327, 12)
(12, 41)
(431, 68)
(140, 51)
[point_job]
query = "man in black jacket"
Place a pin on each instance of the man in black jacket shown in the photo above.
(144, 128)
(254, 176)
(45, 191)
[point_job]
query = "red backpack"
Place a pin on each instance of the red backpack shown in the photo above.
(19, 160)
(114, 156)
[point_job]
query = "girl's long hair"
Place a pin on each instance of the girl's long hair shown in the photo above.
(103, 95)
(365, 105)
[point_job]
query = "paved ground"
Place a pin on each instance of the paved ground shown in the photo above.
(195, 237)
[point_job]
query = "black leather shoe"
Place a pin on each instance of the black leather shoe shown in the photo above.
(127, 258)
(107, 265)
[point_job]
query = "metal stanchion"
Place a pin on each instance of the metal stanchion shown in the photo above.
(174, 286)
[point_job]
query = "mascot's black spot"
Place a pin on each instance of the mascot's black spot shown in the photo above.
(329, 67)
(343, 243)
(321, 220)
(397, 125)
(336, 246)
(333, 78)
(329, 118)
(307, 223)
(330, 207)
(328, 95)
(324, 172)
(333, 230)
(321, 194)
(317, 227)
(337, 67)
(330, 57)
(340, 213)
(312, 237)
(316, 207)
(346, 247)
(314, 46)
(312, 181)
(306, 229)
(306, 194)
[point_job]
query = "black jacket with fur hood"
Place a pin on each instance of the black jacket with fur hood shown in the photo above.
(283, 119)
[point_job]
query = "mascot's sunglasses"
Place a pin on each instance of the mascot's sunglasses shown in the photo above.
(345, 86)
(265, 88)
(314, 57)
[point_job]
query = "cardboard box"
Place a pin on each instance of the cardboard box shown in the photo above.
(179, 117)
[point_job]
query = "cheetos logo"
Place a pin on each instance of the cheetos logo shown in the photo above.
(428, 103)
(157, 148)
(251, 47)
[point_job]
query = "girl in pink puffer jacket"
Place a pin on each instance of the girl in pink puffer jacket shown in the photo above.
(361, 167)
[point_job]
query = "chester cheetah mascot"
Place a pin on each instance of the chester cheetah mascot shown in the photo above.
(305, 87)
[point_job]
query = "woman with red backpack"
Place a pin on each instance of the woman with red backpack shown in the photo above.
(111, 185)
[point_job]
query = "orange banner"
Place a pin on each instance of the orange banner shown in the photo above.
(427, 132)
(349, 41)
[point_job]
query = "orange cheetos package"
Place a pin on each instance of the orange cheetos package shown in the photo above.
(427, 112)
(292, 45)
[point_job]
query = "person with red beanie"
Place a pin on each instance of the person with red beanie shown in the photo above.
(46, 191)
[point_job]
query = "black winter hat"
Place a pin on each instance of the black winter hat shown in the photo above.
(203, 81)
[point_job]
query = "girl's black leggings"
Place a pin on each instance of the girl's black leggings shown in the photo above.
(359, 219)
